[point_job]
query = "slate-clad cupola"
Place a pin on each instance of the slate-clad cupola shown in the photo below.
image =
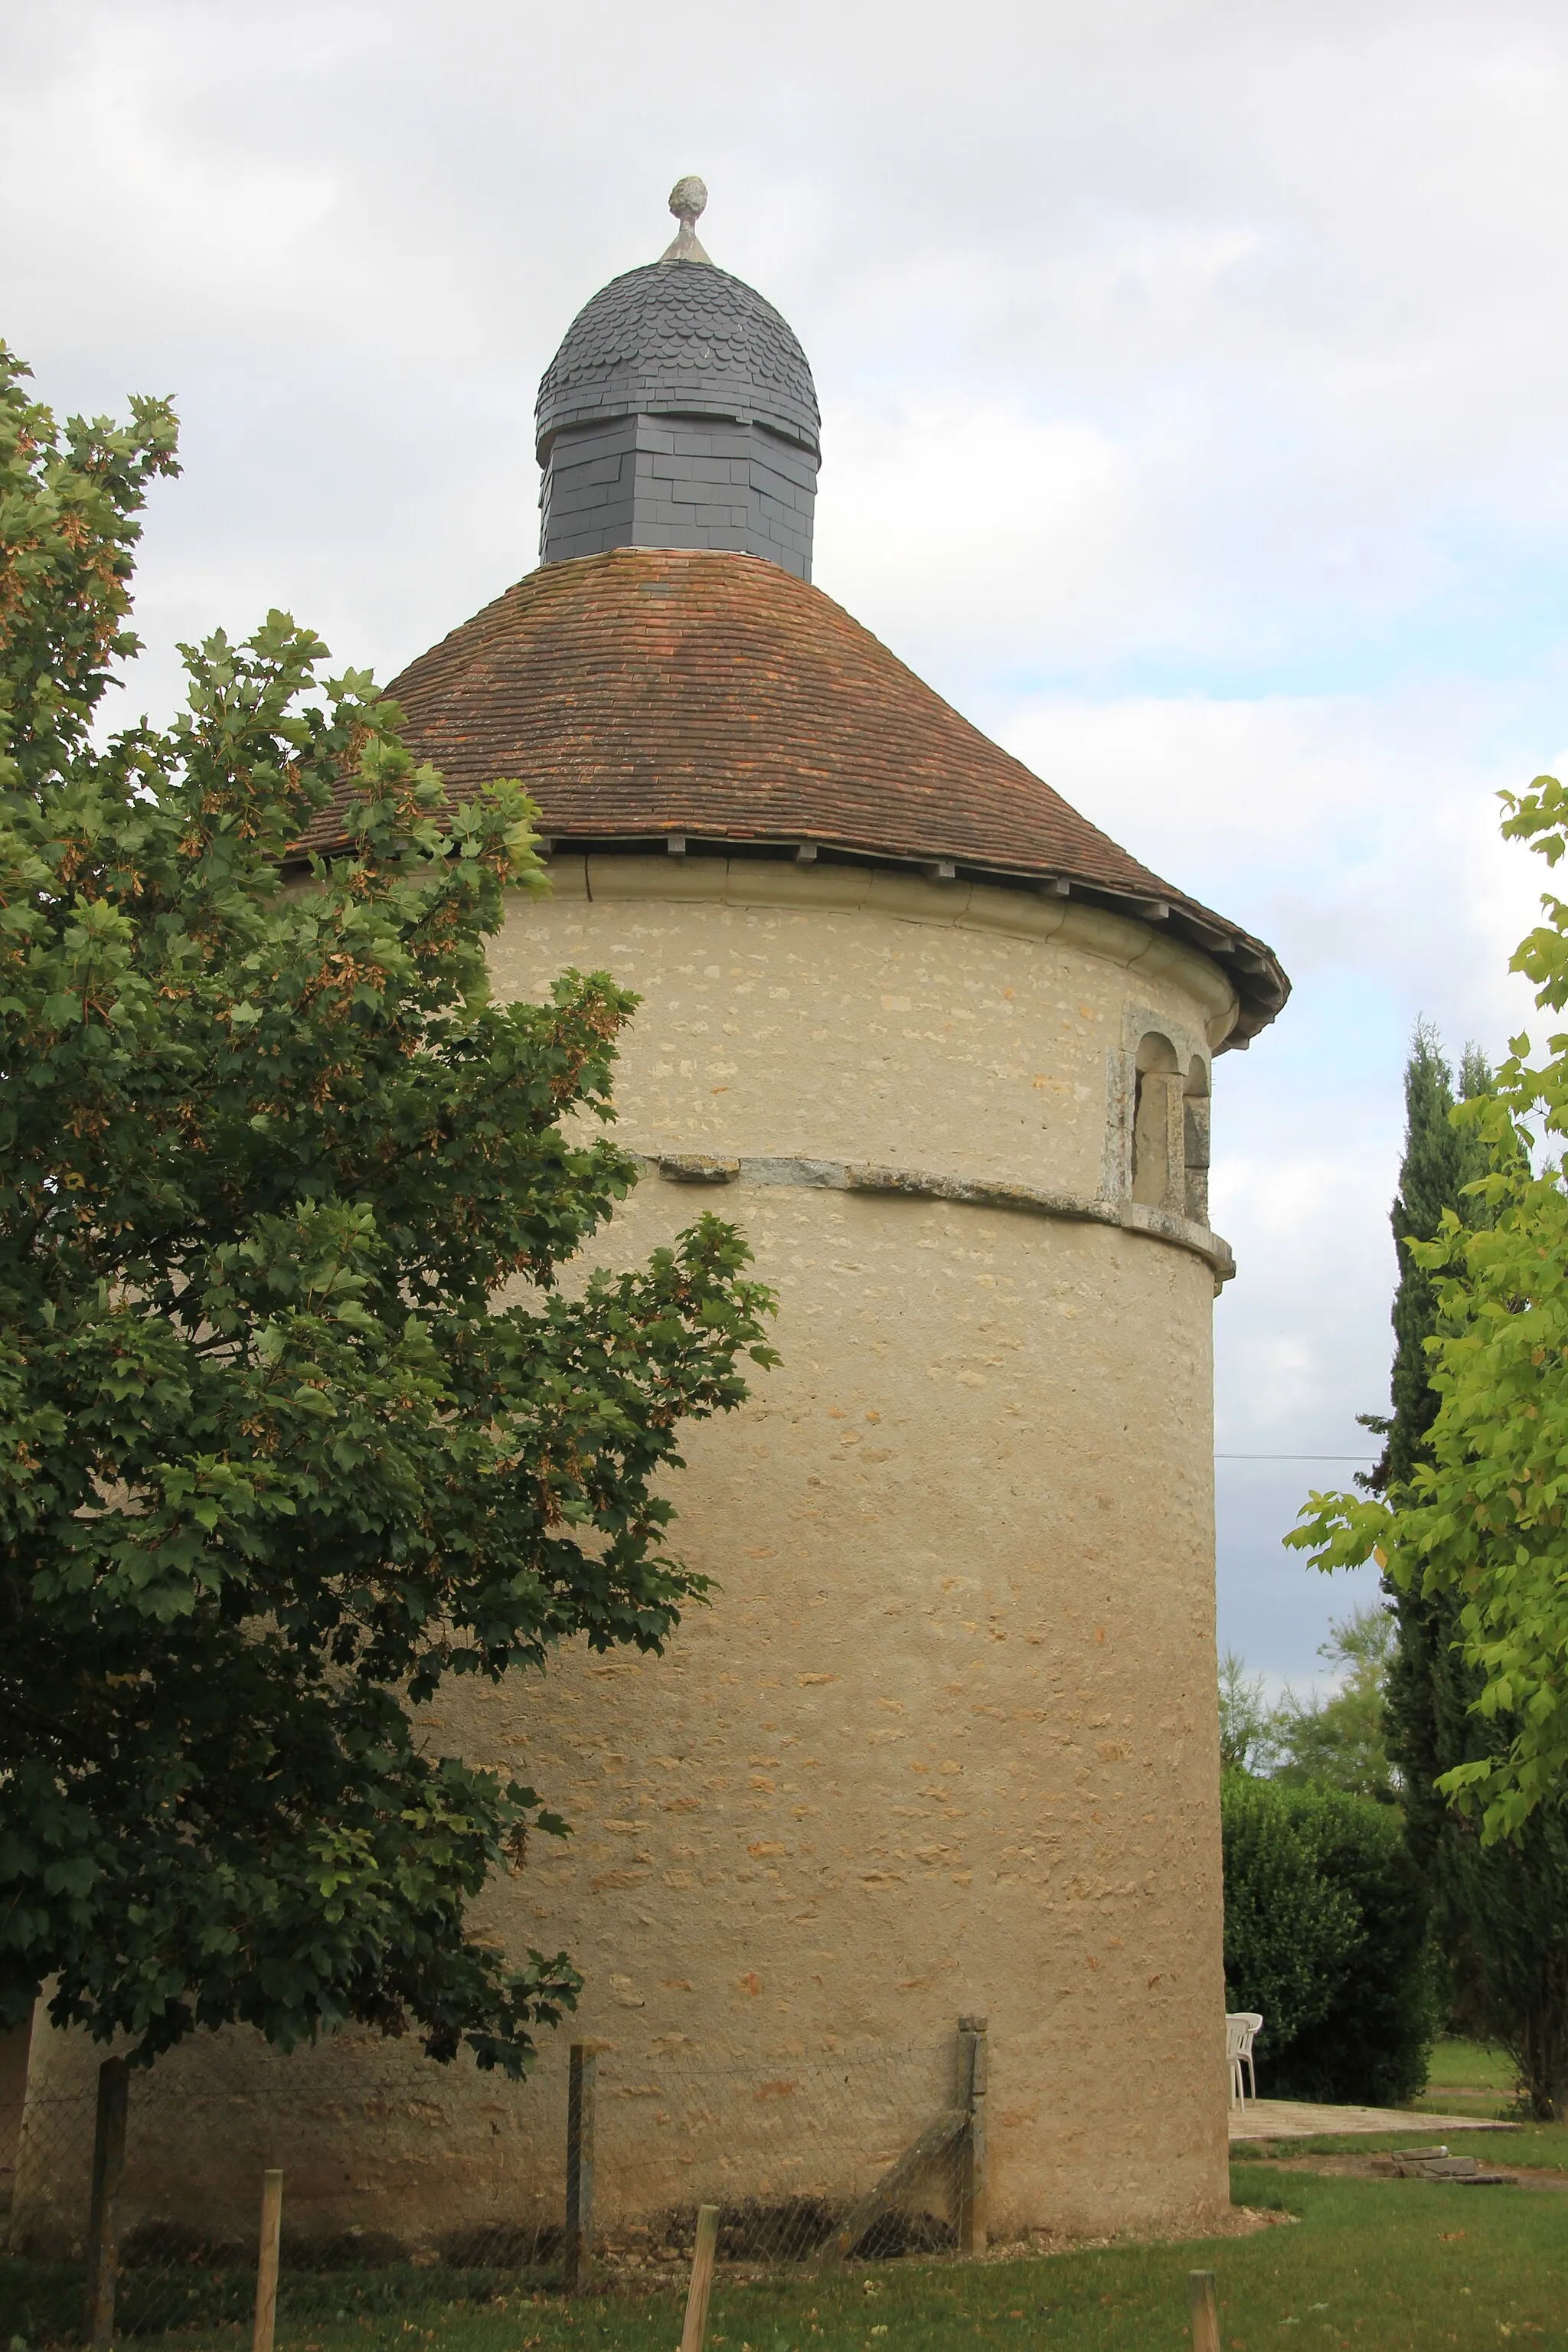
(679, 412)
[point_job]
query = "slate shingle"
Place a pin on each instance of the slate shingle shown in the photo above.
(679, 337)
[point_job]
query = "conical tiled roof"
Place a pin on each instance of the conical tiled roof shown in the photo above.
(649, 693)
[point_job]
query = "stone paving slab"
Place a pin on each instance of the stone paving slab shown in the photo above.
(1300, 2119)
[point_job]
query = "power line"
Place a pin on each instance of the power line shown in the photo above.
(1295, 1457)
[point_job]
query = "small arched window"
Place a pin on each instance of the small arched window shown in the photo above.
(1196, 1140)
(1158, 1154)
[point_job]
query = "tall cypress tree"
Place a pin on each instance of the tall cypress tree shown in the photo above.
(1500, 1913)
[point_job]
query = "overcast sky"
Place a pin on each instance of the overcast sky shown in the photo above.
(1252, 313)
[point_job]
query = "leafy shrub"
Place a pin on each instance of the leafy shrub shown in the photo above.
(1325, 1936)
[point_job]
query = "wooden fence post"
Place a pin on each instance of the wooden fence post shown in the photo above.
(267, 2263)
(104, 2212)
(1206, 2312)
(701, 2287)
(971, 2159)
(578, 2252)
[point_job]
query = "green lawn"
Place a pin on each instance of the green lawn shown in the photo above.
(1398, 2265)
(1470, 2077)
(1388, 2265)
(1542, 2146)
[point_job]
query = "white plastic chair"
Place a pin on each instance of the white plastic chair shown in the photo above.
(1241, 2030)
(1235, 2037)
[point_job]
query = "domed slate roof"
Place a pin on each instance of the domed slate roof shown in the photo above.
(679, 337)
(653, 692)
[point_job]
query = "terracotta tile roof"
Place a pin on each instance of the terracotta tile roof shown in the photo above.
(647, 692)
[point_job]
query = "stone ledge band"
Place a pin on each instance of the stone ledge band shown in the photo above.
(863, 1176)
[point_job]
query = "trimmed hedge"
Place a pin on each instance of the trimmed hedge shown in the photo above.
(1325, 1936)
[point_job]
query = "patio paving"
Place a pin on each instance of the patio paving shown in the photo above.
(1299, 2119)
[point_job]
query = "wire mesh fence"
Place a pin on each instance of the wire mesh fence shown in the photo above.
(831, 2158)
(461, 2187)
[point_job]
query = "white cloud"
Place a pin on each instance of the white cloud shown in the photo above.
(1357, 834)
(1191, 389)
(1030, 526)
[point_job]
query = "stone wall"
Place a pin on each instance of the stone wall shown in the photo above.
(945, 1740)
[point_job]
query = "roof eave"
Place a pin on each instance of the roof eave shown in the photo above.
(1261, 985)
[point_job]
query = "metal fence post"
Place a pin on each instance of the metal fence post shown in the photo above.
(972, 2096)
(267, 2263)
(104, 2212)
(581, 2084)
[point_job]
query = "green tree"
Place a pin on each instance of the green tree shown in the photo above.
(1500, 1912)
(1479, 1520)
(296, 1419)
(1248, 1729)
(1340, 1741)
(1442, 1159)
(1325, 1937)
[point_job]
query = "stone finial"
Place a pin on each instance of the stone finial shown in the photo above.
(687, 201)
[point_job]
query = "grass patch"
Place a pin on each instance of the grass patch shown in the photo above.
(41, 2303)
(1540, 2146)
(1468, 2077)
(1471, 2067)
(1382, 2266)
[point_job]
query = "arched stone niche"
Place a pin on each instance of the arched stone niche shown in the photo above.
(1157, 1136)
(1157, 1106)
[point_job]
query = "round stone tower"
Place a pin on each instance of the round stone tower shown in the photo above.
(944, 1743)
